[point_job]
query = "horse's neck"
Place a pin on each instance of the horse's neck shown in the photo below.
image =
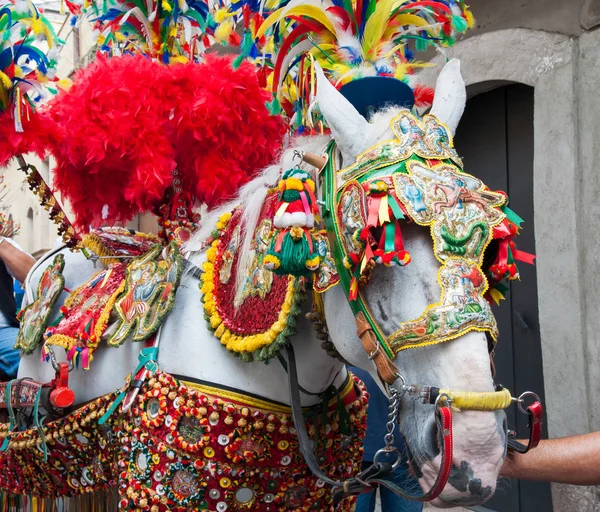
(189, 349)
(186, 349)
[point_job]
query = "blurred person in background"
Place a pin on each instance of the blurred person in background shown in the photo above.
(15, 264)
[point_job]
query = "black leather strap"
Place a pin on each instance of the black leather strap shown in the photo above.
(283, 363)
(303, 439)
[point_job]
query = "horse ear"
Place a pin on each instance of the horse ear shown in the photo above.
(347, 126)
(450, 95)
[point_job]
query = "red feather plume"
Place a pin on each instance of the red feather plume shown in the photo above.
(33, 139)
(128, 122)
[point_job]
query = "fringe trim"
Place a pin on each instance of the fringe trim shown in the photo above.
(98, 501)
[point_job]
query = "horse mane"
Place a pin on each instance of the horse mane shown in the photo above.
(252, 196)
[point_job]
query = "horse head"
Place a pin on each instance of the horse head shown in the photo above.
(396, 295)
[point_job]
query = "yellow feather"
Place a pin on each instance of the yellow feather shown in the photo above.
(5, 81)
(470, 19)
(376, 25)
(309, 11)
(223, 31)
(410, 19)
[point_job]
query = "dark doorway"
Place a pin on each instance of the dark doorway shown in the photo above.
(495, 139)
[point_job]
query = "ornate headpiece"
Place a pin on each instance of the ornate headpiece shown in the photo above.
(366, 48)
(28, 52)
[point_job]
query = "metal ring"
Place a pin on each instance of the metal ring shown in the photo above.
(401, 378)
(386, 452)
(298, 158)
(448, 400)
(521, 399)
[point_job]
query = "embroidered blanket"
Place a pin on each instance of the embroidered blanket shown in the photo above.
(190, 447)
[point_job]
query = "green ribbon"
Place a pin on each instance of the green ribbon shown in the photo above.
(147, 360)
(38, 424)
(512, 216)
(390, 234)
(397, 211)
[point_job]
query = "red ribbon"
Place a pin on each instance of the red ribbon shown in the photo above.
(309, 238)
(523, 256)
(398, 240)
(502, 230)
(313, 199)
(373, 218)
(502, 258)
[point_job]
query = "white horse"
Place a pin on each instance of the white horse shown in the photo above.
(189, 349)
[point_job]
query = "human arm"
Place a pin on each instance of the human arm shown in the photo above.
(569, 460)
(19, 263)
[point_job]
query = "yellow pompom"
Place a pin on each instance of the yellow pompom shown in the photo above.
(223, 220)
(220, 330)
(269, 337)
(215, 321)
(294, 184)
(272, 260)
(313, 263)
(226, 337)
(278, 326)
(211, 253)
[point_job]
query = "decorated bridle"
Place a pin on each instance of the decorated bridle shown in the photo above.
(417, 176)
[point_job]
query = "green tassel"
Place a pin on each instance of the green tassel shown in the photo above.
(293, 257)
(289, 196)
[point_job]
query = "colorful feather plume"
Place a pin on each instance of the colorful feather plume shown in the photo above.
(350, 39)
(28, 52)
(167, 30)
